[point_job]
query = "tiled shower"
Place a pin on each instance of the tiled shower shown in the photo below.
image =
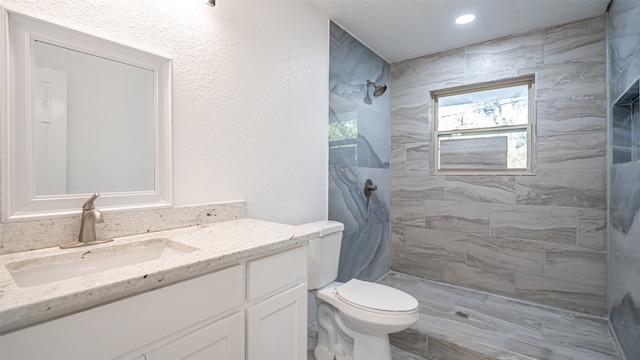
(359, 150)
(624, 174)
(541, 238)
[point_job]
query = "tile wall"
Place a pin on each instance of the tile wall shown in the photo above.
(541, 238)
(624, 174)
(359, 150)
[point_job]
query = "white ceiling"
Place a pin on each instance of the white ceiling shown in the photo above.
(405, 29)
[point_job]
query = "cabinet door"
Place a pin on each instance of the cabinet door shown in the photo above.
(220, 340)
(276, 327)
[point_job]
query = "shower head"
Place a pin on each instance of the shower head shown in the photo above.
(377, 91)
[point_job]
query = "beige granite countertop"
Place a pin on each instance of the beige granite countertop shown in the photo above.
(216, 246)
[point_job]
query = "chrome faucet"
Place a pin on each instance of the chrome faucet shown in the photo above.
(90, 216)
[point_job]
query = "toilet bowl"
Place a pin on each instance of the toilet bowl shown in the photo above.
(354, 318)
(361, 316)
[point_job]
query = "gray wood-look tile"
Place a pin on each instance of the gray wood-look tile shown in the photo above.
(573, 115)
(534, 223)
(492, 280)
(592, 113)
(510, 53)
(397, 237)
(435, 68)
(526, 315)
(509, 355)
(592, 229)
(418, 156)
(445, 350)
(411, 129)
(399, 354)
(410, 340)
(582, 151)
(473, 336)
(505, 254)
(578, 77)
(479, 188)
(457, 216)
(574, 40)
(586, 333)
(563, 293)
(563, 188)
(413, 263)
(434, 244)
(415, 186)
(530, 347)
(472, 79)
(497, 327)
(411, 101)
(397, 73)
(564, 202)
(556, 116)
(407, 212)
(398, 158)
(575, 263)
(446, 298)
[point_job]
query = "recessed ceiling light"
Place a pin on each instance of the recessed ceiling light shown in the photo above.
(465, 19)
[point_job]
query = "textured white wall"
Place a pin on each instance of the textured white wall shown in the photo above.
(249, 94)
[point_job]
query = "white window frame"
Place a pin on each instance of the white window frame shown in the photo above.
(529, 127)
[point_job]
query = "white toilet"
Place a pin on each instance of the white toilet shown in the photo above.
(354, 318)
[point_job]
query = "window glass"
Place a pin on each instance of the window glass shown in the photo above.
(485, 128)
(495, 107)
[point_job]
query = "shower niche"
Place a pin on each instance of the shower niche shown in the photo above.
(626, 126)
(624, 222)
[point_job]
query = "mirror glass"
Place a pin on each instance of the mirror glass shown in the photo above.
(85, 114)
(93, 123)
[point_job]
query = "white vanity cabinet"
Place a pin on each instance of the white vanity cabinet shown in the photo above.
(172, 315)
(253, 310)
(277, 310)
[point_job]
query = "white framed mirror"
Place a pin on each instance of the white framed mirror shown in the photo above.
(83, 114)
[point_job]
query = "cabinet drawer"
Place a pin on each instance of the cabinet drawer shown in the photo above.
(276, 272)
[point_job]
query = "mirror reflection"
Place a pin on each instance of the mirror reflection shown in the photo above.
(93, 123)
(84, 114)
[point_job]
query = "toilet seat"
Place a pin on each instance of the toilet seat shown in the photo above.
(376, 298)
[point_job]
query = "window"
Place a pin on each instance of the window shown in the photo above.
(485, 129)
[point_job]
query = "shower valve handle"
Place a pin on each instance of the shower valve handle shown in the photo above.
(369, 188)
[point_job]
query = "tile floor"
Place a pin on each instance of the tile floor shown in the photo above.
(463, 324)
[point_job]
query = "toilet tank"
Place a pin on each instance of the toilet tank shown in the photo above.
(323, 252)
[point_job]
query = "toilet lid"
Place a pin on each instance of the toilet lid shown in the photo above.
(376, 296)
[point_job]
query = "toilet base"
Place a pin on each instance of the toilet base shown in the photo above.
(322, 353)
(369, 347)
(336, 339)
(378, 350)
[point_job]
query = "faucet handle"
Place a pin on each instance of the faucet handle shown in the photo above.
(88, 205)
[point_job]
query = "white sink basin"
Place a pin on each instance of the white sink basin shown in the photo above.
(88, 260)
